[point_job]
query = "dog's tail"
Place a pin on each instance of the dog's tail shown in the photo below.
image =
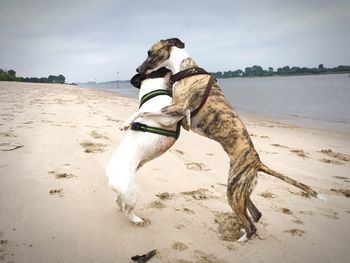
(304, 187)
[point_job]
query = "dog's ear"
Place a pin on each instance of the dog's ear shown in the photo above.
(136, 81)
(138, 78)
(162, 72)
(159, 73)
(175, 42)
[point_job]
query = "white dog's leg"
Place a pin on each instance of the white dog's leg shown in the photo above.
(120, 202)
(132, 217)
(135, 219)
(126, 124)
(127, 208)
(127, 194)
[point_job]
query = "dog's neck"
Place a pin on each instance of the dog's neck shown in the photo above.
(149, 85)
(179, 60)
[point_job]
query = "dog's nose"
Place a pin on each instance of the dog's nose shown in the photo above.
(138, 70)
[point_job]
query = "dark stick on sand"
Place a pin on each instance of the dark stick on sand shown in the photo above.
(144, 258)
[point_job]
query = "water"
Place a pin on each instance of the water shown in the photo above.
(316, 101)
(319, 101)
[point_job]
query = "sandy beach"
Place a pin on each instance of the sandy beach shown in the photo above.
(56, 206)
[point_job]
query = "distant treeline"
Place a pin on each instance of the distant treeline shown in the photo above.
(258, 71)
(10, 75)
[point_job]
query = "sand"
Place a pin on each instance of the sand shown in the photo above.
(55, 204)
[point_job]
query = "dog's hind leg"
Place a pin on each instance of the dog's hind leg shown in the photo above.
(129, 210)
(120, 202)
(239, 206)
(240, 185)
(255, 213)
(123, 183)
(130, 197)
(127, 205)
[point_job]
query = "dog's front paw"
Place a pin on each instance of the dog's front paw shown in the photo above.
(125, 126)
(185, 125)
(186, 122)
(173, 111)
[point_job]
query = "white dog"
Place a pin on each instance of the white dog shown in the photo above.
(148, 138)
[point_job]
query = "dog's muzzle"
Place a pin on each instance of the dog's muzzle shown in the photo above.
(141, 68)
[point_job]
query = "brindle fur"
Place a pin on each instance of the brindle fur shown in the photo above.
(217, 120)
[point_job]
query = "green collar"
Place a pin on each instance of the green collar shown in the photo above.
(137, 126)
(153, 94)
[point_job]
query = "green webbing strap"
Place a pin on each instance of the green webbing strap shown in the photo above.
(153, 94)
(136, 126)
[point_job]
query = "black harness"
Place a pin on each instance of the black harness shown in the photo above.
(192, 72)
(153, 94)
(137, 126)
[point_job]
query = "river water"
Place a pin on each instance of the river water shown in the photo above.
(315, 101)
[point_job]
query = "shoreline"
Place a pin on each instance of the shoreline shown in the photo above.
(299, 122)
(307, 102)
(253, 115)
(55, 203)
(291, 75)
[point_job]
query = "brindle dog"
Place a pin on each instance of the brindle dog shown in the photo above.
(216, 120)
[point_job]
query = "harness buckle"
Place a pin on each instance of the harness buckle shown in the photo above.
(136, 126)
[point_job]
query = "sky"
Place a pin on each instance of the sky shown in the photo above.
(103, 40)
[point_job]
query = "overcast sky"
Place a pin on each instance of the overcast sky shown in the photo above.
(86, 40)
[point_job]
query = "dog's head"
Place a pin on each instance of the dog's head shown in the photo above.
(136, 80)
(158, 55)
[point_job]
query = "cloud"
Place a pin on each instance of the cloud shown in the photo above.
(84, 40)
